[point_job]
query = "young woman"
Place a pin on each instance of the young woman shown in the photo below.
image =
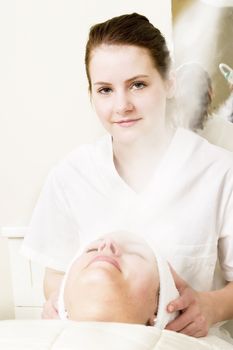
(144, 176)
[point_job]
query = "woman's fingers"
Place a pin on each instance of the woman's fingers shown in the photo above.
(194, 318)
(186, 298)
(179, 282)
(182, 321)
(190, 322)
(50, 309)
(197, 329)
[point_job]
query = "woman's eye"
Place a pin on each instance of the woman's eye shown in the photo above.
(137, 254)
(91, 250)
(104, 91)
(138, 85)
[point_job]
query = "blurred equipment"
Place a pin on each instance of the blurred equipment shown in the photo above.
(227, 72)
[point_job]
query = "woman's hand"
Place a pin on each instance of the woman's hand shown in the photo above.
(50, 309)
(52, 282)
(196, 310)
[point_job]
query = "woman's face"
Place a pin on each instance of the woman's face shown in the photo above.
(128, 92)
(115, 279)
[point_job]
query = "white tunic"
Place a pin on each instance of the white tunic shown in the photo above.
(186, 208)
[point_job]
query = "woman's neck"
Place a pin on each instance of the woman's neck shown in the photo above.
(137, 162)
(143, 149)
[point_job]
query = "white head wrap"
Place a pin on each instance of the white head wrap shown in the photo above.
(168, 291)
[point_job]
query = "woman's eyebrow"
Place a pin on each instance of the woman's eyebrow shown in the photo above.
(91, 244)
(139, 244)
(136, 77)
(102, 83)
(135, 245)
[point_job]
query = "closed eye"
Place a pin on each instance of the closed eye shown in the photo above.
(91, 250)
(137, 254)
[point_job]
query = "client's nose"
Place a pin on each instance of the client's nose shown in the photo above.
(108, 246)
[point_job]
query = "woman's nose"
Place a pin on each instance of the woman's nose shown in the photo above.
(108, 246)
(123, 104)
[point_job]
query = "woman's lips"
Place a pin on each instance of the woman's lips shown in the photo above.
(107, 259)
(128, 122)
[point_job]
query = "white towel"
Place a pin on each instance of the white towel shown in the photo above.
(168, 292)
(61, 305)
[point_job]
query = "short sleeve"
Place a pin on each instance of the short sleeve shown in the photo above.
(52, 239)
(226, 229)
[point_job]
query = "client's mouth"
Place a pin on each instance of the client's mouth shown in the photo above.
(107, 259)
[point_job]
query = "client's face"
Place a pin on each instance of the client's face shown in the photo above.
(115, 280)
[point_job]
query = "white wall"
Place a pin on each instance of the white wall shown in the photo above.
(6, 307)
(44, 104)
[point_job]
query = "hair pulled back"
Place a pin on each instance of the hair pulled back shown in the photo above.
(130, 29)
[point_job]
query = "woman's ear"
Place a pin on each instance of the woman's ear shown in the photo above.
(151, 321)
(171, 84)
(153, 317)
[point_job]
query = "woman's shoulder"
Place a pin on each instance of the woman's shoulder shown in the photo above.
(202, 144)
(218, 131)
(202, 154)
(87, 149)
(83, 158)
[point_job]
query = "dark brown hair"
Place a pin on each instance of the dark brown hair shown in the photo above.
(130, 29)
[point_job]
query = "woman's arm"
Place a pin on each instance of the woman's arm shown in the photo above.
(200, 310)
(52, 282)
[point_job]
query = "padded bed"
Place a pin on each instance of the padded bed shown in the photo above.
(68, 335)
